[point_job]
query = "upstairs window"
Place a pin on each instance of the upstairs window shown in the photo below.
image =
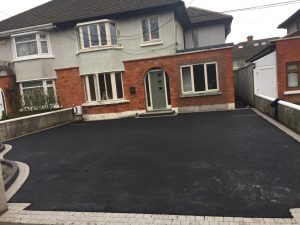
(293, 71)
(199, 78)
(150, 29)
(98, 34)
(31, 45)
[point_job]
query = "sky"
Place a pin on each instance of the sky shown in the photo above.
(261, 23)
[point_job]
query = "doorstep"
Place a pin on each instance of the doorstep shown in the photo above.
(157, 113)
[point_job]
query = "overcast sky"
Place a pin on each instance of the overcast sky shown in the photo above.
(260, 23)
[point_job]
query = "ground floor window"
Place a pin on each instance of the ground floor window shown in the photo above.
(104, 86)
(199, 78)
(293, 71)
(38, 93)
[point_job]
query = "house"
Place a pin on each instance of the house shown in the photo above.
(245, 50)
(277, 67)
(121, 58)
(292, 24)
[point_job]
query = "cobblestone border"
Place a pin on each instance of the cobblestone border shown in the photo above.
(13, 174)
(21, 178)
(2, 147)
(16, 214)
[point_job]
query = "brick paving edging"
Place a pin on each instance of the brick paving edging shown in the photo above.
(13, 172)
(24, 171)
(16, 214)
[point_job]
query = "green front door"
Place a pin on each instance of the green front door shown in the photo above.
(158, 89)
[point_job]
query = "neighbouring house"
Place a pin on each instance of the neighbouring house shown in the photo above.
(275, 70)
(121, 58)
(245, 50)
(292, 24)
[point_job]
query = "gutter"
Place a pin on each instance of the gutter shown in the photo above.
(205, 48)
(49, 26)
(287, 38)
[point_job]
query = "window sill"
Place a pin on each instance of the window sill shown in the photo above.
(112, 102)
(152, 43)
(296, 92)
(34, 57)
(209, 93)
(99, 49)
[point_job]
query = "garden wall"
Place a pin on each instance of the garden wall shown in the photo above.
(288, 113)
(21, 126)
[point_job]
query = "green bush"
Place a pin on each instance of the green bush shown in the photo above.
(38, 101)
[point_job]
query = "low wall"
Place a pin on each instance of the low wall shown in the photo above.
(21, 126)
(288, 113)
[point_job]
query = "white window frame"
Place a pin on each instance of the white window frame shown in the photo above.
(149, 26)
(205, 77)
(108, 34)
(97, 87)
(44, 86)
(39, 47)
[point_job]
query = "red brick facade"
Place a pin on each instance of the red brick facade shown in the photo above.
(287, 51)
(135, 72)
(5, 83)
(69, 87)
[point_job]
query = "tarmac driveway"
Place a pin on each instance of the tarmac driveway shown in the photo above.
(207, 164)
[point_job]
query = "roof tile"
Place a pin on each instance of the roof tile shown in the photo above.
(58, 11)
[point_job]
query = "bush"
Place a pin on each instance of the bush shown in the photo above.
(38, 101)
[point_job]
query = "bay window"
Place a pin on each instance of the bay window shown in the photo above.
(31, 45)
(97, 34)
(199, 78)
(293, 71)
(104, 87)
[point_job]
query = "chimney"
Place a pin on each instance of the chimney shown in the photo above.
(250, 39)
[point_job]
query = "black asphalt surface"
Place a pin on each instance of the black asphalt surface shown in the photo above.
(207, 164)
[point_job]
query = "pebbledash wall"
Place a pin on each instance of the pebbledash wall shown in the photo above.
(135, 71)
(287, 51)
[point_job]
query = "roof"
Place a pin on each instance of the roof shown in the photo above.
(290, 20)
(64, 12)
(61, 11)
(200, 16)
(266, 51)
(249, 49)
